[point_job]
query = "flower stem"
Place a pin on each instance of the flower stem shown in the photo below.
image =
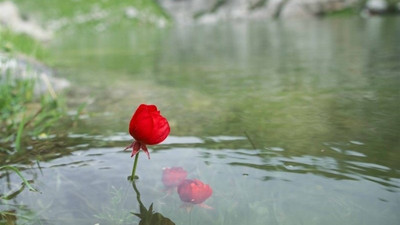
(133, 176)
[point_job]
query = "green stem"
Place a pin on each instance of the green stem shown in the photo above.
(133, 176)
(137, 194)
(19, 134)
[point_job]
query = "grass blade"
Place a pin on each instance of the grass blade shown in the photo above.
(19, 134)
(20, 175)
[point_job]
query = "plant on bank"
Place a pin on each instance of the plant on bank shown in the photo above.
(23, 115)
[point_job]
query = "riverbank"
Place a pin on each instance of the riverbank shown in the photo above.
(32, 101)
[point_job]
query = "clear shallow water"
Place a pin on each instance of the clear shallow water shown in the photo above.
(289, 123)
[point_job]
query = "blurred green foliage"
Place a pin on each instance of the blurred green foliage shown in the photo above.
(71, 13)
(11, 42)
(24, 116)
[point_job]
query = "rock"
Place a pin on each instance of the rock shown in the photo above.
(11, 18)
(202, 11)
(307, 8)
(23, 67)
(131, 12)
(376, 6)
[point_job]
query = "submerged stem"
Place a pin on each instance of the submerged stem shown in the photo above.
(133, 176)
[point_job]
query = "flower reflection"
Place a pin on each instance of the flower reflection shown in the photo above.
(174, 176)
(191, 191)
(148, 216)
(194, 191)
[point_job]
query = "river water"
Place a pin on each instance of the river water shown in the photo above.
(294, 122)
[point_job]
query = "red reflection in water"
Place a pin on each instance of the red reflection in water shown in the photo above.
(174, 176)
(194, 191)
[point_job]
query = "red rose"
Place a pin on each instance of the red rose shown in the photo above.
(174, 176)
(147, 127)
(194, 191)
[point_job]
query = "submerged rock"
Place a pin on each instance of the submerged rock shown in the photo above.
(11, 18)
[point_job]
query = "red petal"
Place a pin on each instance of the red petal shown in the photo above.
(144, 148)
(141, 125)
(129, 146)
(148, 126)
(135, 148)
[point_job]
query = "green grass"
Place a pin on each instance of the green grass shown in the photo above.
(88, 13)
(8, 214)
(24, 116)
(21, 116)
(14, 43)
(350, 11)
(113, 212)
(24, 180)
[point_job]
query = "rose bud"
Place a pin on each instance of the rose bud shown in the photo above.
(147, 127)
